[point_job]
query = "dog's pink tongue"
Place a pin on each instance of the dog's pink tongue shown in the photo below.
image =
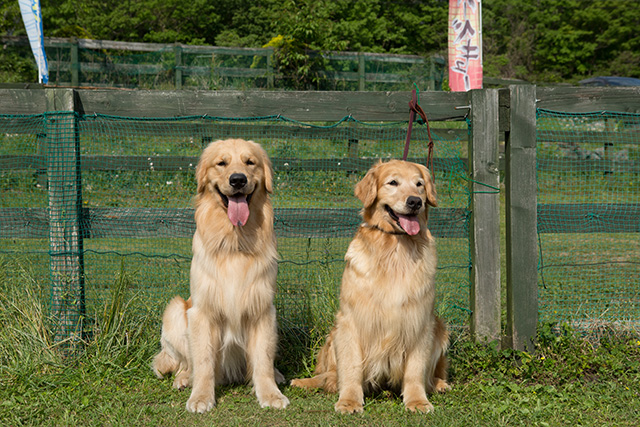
(409, 224)
(238, 210)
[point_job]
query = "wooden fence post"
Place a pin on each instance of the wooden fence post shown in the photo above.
(65, 209)
(432, 74)
(178, 68)
(271, 71)
(361, 72)
(521, 219)
(75, 63)
(485, 221)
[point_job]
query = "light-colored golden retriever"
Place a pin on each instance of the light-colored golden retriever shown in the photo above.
(386, 333)
(227, 332)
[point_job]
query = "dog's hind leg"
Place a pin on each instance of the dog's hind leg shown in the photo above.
(441, 343)
(173, 358)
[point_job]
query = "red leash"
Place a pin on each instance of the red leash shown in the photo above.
(415, 108)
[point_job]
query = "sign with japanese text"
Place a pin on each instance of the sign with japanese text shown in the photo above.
(465, 45)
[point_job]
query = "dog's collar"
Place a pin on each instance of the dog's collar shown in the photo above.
(375, 227)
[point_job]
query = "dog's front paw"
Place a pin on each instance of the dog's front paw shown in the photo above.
(348, 406)
(200, 404)
(274, 399)
(419, 406)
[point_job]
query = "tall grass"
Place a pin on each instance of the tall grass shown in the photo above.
(34, 370)
(568, 380)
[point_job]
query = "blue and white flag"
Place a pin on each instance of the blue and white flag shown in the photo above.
(32, 17)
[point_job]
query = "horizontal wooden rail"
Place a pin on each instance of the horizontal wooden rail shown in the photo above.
(219, 127)
(589, 218)
(138, 223)
(581, 166)
(310, 107)
(177, 163)
(571, 136)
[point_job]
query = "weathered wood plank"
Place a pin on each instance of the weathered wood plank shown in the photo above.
(140, 223)
(377, 57)
(22, 125)
(23, 101)
(227, 72)
(219, 129)
(589, 218)
(569, 165)
(521, 237)
(24, 223)
(33, 223)
(303, 106)
(484, 234)
(589, 99)
(574, 136)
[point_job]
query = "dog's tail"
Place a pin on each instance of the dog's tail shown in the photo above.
(326, 372)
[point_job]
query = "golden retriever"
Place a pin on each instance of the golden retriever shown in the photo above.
(386, 333)
(226, 331)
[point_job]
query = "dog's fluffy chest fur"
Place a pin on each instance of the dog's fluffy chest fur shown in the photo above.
(398, 272)
(235, 285)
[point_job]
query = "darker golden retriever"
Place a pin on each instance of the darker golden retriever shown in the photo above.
(227, 332)
(386, 333)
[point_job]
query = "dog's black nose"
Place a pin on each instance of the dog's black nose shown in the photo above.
(414, 203)
(238, 180)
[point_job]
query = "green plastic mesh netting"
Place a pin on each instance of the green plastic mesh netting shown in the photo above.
(93, 205)
(589, 217)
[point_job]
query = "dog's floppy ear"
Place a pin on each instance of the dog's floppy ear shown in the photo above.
(266, 165)
(430, 187)
(202, 168)
(201, 176)
(268, 174)
(367, 188)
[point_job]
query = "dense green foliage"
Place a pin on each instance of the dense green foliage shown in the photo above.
(539, 41)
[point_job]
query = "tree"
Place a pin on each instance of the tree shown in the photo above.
(538, 41)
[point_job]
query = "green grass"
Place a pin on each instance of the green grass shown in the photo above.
(569, 380)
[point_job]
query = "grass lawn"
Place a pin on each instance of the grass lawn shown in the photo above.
(570, 380)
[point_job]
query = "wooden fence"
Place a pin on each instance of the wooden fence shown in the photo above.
(74, 71)
(505, 114)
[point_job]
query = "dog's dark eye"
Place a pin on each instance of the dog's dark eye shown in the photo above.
(250, 162)
(222, 163)
(419, 184)
(393, 182)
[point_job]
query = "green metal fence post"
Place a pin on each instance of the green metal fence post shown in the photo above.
(65, 209)
(521, 219)
(485, 222)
